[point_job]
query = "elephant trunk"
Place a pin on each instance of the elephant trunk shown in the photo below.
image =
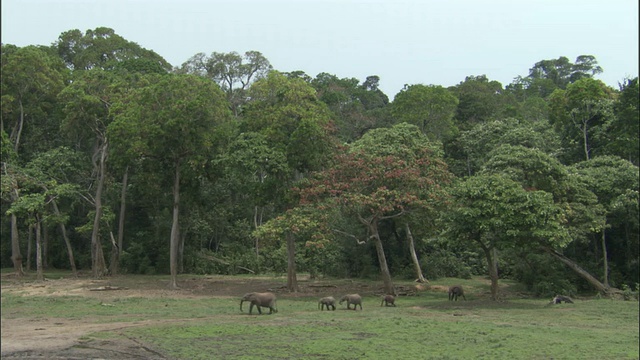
(241, 301)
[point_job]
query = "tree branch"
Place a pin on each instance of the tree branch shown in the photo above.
(360, 242)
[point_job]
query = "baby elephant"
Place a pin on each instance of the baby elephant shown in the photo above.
(560, 299)
(260, 300)
(455, 291)
(354, 299)
(388, 300)
(327, 301)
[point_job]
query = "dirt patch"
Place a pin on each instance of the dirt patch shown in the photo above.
(51, 338)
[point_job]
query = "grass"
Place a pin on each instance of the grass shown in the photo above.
(418, 328)
(426, 326)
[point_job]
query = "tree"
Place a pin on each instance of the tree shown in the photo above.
(623, 128)
(287, 112)
(357, 108)
(497, 213)
(175, 122)
(561, 72)
(431, 108)
(303, 222)
(581, 213)
(31, 79)
(232, 71)
(101, 48)
(258, 174)
(372, 182)
(610, 179)
(579, 114)
(479, 100)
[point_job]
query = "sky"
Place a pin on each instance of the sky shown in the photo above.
(430, 42)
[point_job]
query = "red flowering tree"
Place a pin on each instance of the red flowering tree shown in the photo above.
(387, 174)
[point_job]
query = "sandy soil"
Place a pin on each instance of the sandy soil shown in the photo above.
(51, 338)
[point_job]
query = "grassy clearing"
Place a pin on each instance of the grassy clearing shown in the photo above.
(418, 328)
(422, 326)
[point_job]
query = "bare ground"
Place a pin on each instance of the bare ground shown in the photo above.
(52, 338)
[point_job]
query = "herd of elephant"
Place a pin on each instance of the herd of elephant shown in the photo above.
(268, 300)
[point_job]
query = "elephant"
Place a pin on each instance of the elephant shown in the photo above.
(560, 299)
(388, 300)
(354, 299)
(455, 291)
(260, 300)
(327, 301)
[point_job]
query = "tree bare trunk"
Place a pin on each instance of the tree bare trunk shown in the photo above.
(578, 270)
(114, 265)
(67, 242)
(292, 281)
(492, 262)
(16, 255)
(175, 229)
(605, 260)
(39, 270)
(414, 256)
(29, 246)
(97, 255)
(382, 260)
(45, 247)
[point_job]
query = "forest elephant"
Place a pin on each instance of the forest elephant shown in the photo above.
(260, 300)
(455, 291)
(354, 299)
(328, 301)
(560, 299)
(388, 300)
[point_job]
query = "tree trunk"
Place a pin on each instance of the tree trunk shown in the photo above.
(45, 247)
(493, 269)
(605, 260)
(414, 258)
(29, 247)
(39, 272)
(114, 266)
(382, 260)
(16, 255)
(18, 130)
(585, 136)
(183, 239)
(292, 281)
(578, 270)
(97, 256)
(67, 242)
(175, 230)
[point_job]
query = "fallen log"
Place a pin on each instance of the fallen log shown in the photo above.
(108, 288)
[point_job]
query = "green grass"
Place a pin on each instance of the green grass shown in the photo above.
(418, 328)
(426, 326)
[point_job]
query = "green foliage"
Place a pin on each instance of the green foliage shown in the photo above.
(431, 108)
(101, 48)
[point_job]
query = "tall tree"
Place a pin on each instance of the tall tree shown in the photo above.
(175, 122)
(496, 213)
(431, 108)
(370, 185)
(610, 178)
(537, 171)
(623, 128)
(31, 79)
(232, 71)
(561, 72)
(579, 114)
(287, 112)
(479, 100)
(101, 48)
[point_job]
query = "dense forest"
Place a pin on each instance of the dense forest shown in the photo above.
(115, 161)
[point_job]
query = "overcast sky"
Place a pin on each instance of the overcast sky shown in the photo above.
(403, 41)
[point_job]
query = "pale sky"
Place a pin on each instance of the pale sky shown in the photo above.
(437, 42)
